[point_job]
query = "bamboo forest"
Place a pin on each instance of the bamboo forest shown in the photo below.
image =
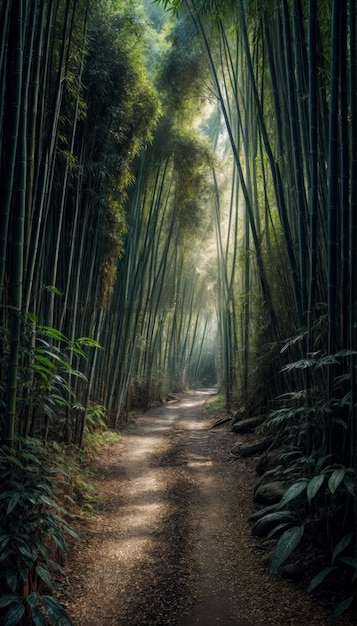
(178, 210)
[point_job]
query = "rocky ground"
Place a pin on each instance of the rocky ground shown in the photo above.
(170, 543)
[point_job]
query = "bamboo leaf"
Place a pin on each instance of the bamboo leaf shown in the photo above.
(88, 341)
(301, 364)
(53, 333)
(285, 546)
(53, 289)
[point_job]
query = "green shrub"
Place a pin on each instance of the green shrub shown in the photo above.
(33, 532)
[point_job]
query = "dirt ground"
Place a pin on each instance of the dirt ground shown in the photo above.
(170, 543)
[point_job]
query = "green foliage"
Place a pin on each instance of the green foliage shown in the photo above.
(46, 373)
(33, 530)
(319, 578)
(183, 71)
(95, 419)
(122, 111)
(216, 404)
(96, 432)
(193, 159)
(286, 544)
(321, 485)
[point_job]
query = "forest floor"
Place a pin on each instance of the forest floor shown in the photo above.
(170, 543)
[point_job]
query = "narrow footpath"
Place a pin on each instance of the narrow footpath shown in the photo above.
(170, 543)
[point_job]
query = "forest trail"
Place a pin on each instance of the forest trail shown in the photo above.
(170, 543)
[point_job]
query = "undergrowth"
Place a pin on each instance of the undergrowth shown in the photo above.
(215, 404)
(47, 492)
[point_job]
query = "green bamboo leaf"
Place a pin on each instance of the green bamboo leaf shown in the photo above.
(301, 364)
(319, 578)
(285, 546)
(336, 478)
(79, 374)
(345, 353)
(88, 341)
(53, 333)
(314, 485)
(53, 289)
(293, 492)
(14, 615)
(342, 545)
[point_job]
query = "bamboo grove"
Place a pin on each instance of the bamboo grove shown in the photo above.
(178, 207)
(284, 74)
(87, 259)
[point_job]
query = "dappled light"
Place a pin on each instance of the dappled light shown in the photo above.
(178, 229)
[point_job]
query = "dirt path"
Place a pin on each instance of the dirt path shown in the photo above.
(170, 544)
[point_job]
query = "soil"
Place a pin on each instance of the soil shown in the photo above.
(170, 543)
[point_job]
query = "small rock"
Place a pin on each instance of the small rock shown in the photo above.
(292, 571)
(249, 449)
(269, 493)
(266, 557)
(246, 426)
(266, 524)
(267, 476)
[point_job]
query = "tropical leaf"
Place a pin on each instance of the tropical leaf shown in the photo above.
(12, 580)
(45, 575)
(38, 617)
(33, 599)
(319, 578)
(343, 606)
(352, 561)
(56, 611)
(7, 599)
(285, 546)
(336, 478)
(13, 502)
(350, 485)
(314, 485)
(276, 530)
(342, 545)
(293, 492)
(14, 615)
